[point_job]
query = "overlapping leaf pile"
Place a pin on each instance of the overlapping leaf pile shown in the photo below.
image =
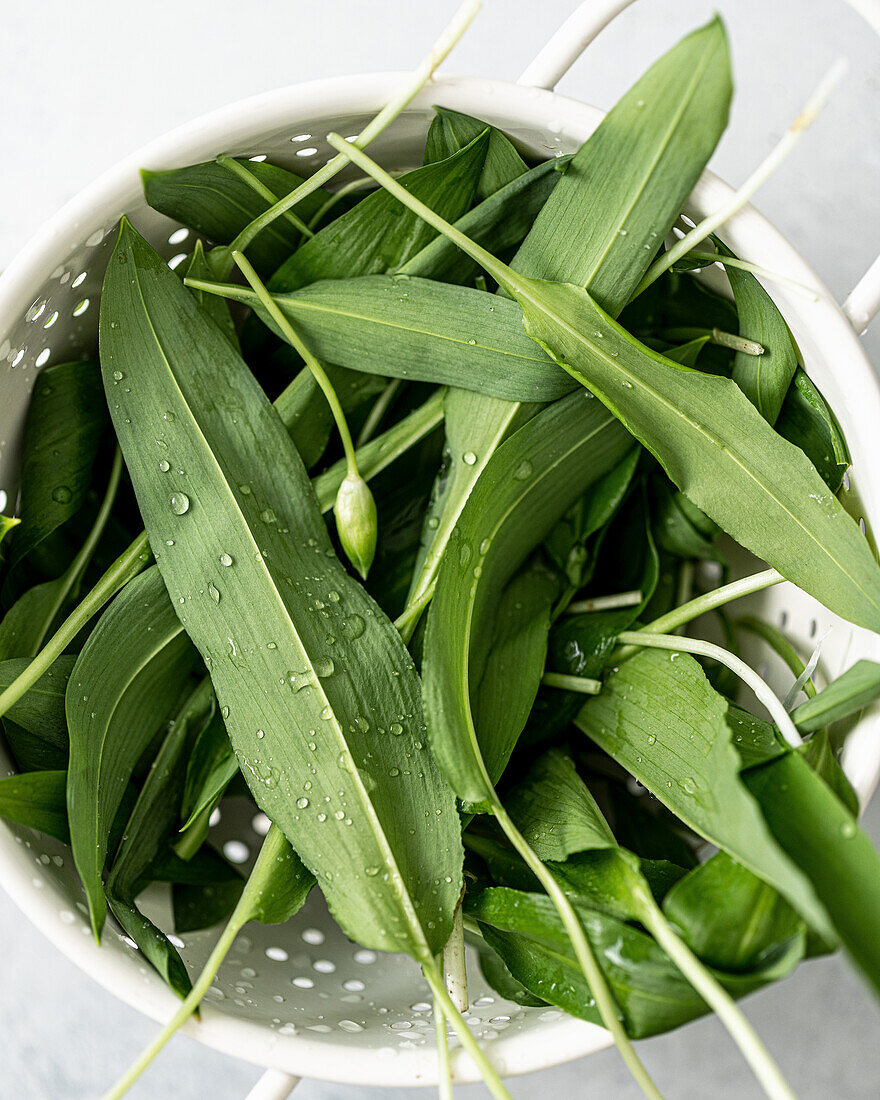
(535, 439)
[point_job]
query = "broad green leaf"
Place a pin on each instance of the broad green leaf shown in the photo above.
(625, 187)
(210, 767)
(516, 655)
(66, 420)
(199, 267)
(715, 447)
(499, 223)
(31, 753)
(567, 542)
(821, 759)
(124, 685)
(555, 811)
(411, 328)
(764, 379)
(200, 906)
(377, 235)
(451, 131)
(40, 710)
(37, 800)
(475, 427)
(824, 840)
(728, 917)
(152, 820)
(808, 423)
(529, 482)
(659, 718)
(653, 996)
(675, 529)
(295, 662)
(215, 202)
(495, 971)
(851, 692)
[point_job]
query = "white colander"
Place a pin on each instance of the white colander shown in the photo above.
(301, 999)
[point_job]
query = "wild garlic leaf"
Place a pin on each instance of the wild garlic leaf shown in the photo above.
(216, 203)
(124, 685)
(418, 329)
(764, 379)
(728, 917)
(851, 692)
(518, 651)
(819, 834)
(555, 811)
(317, 690)
(32, 753)
(198, 267)
(498, 223)
(659, 718)
(211, 767)
(525, 930)
(451, 131)
(808, 423)
(715, 447)
(66, 421)
(36, 799)
(529, 482)
(475, 426)
(626, 185)
(622, 191)
(40, 710)
(377, 235)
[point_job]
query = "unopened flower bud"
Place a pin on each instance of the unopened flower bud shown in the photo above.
(356, 522)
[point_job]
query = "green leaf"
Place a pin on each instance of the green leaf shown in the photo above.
(728, 917)
(124, 685)
(764, 379)
(652, 994)
(499, 223)
(555, 811)
(211, 767)
(822, 837)
(659, 718)
(530, 481)
(152, 820)
(30, 753)
(451, 131)
(411, 328)
(851, 692)
(37, 800)
(66, 420)
(216, 203)
(201, 906)
(218, 310)
(567, 542)
(715, 447)
(499, 977)
(40, 710)
(627, 184)
(475, 426)
(377, 825)
(376, 235)
(808, 423)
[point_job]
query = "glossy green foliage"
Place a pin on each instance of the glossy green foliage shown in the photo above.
(126, 682)
(218, 204)
(236, 537)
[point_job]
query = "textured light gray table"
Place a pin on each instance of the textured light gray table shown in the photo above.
(83, 84)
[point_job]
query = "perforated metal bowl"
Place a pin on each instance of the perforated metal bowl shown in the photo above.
(302, 998)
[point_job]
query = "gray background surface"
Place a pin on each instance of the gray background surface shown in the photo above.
(83, 84)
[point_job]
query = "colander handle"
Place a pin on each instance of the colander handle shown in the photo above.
(591, 17)
(273, 1085)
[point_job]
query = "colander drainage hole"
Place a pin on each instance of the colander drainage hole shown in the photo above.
(313, 936)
